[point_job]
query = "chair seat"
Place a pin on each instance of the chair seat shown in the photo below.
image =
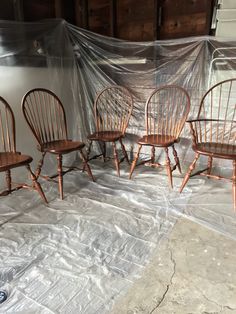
(61, 146)
(157, 140)
(106, 136)
(13, 160)
(218, 150)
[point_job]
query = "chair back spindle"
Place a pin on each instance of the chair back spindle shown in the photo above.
(166, 111)
(7, 128)
(112, 109)
(45, 115)
(216, 120)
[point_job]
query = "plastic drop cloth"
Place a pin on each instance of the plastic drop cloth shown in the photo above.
(78, 255)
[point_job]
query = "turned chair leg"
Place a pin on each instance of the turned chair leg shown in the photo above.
(124, 150)
(188, 174)
(234, 183)
(209, 165)
(168, 167)
(60, 175)
(135, 161)
(8, 180)
(88, 153)
(104, 151)
(86, 165)
(176, 159)
(40, 165)
(153, 155)
(117, 164)
(36, 184)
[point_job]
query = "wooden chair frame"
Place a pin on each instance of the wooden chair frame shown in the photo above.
(163, 128)
(112, 111)
(9, 157)
(214, 137)
(45, 115)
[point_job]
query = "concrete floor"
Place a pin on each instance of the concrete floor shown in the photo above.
(193, 271)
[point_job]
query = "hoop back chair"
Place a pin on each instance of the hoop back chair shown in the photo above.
(166, 111)
(45, 115)
(112, 110)
(9, 157)
(214, 130)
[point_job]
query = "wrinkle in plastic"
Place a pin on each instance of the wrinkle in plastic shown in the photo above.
(80, 254)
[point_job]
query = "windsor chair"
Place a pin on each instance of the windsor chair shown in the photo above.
(112, 110)
(214, 130)
(45, 115)
(166, 111)
(9, 157)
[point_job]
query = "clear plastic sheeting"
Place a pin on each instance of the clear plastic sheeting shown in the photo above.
(78, 255)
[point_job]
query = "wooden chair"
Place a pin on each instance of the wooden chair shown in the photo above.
(112, 110)
(166, 111)
(214, 130)
(9, 157)
(46, 118)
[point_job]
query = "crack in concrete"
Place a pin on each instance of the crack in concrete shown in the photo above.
(168, 285)
(222, 307)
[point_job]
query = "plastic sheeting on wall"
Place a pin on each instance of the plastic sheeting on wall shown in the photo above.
(76, 64)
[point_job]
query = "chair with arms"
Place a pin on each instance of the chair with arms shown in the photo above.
(214, 130)
(112, 110)
(166, 111)
(46, 118)
(9, 157)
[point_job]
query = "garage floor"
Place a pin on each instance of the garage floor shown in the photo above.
(120, 246)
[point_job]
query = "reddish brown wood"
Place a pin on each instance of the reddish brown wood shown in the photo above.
(8, 180)
(168, 167)
(112, 110)
(134, 163)
(188, 174)
(60, 175)
(213, 132)
(117, 164)
(234, 183)
(45, 115)
(9, 158)
(183, 18)
(166, 111)
(176, 158)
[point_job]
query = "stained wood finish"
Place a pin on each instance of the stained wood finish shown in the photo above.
(166, 111)
(145, 20)
(112, 110)
(45, 115)
(214, 130)
(9, 158)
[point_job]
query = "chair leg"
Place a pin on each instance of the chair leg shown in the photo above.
(36, 184)
(176, 159)
(40, 165)
(104, 151)
(234, 184)
(153, 155)
(135, 161)
(86, 165)
(124, 150)
(8, 180)
(60, 175)
(188, 174)
(117, 164)
(209, 165)
(168, 167)
(88, 153)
